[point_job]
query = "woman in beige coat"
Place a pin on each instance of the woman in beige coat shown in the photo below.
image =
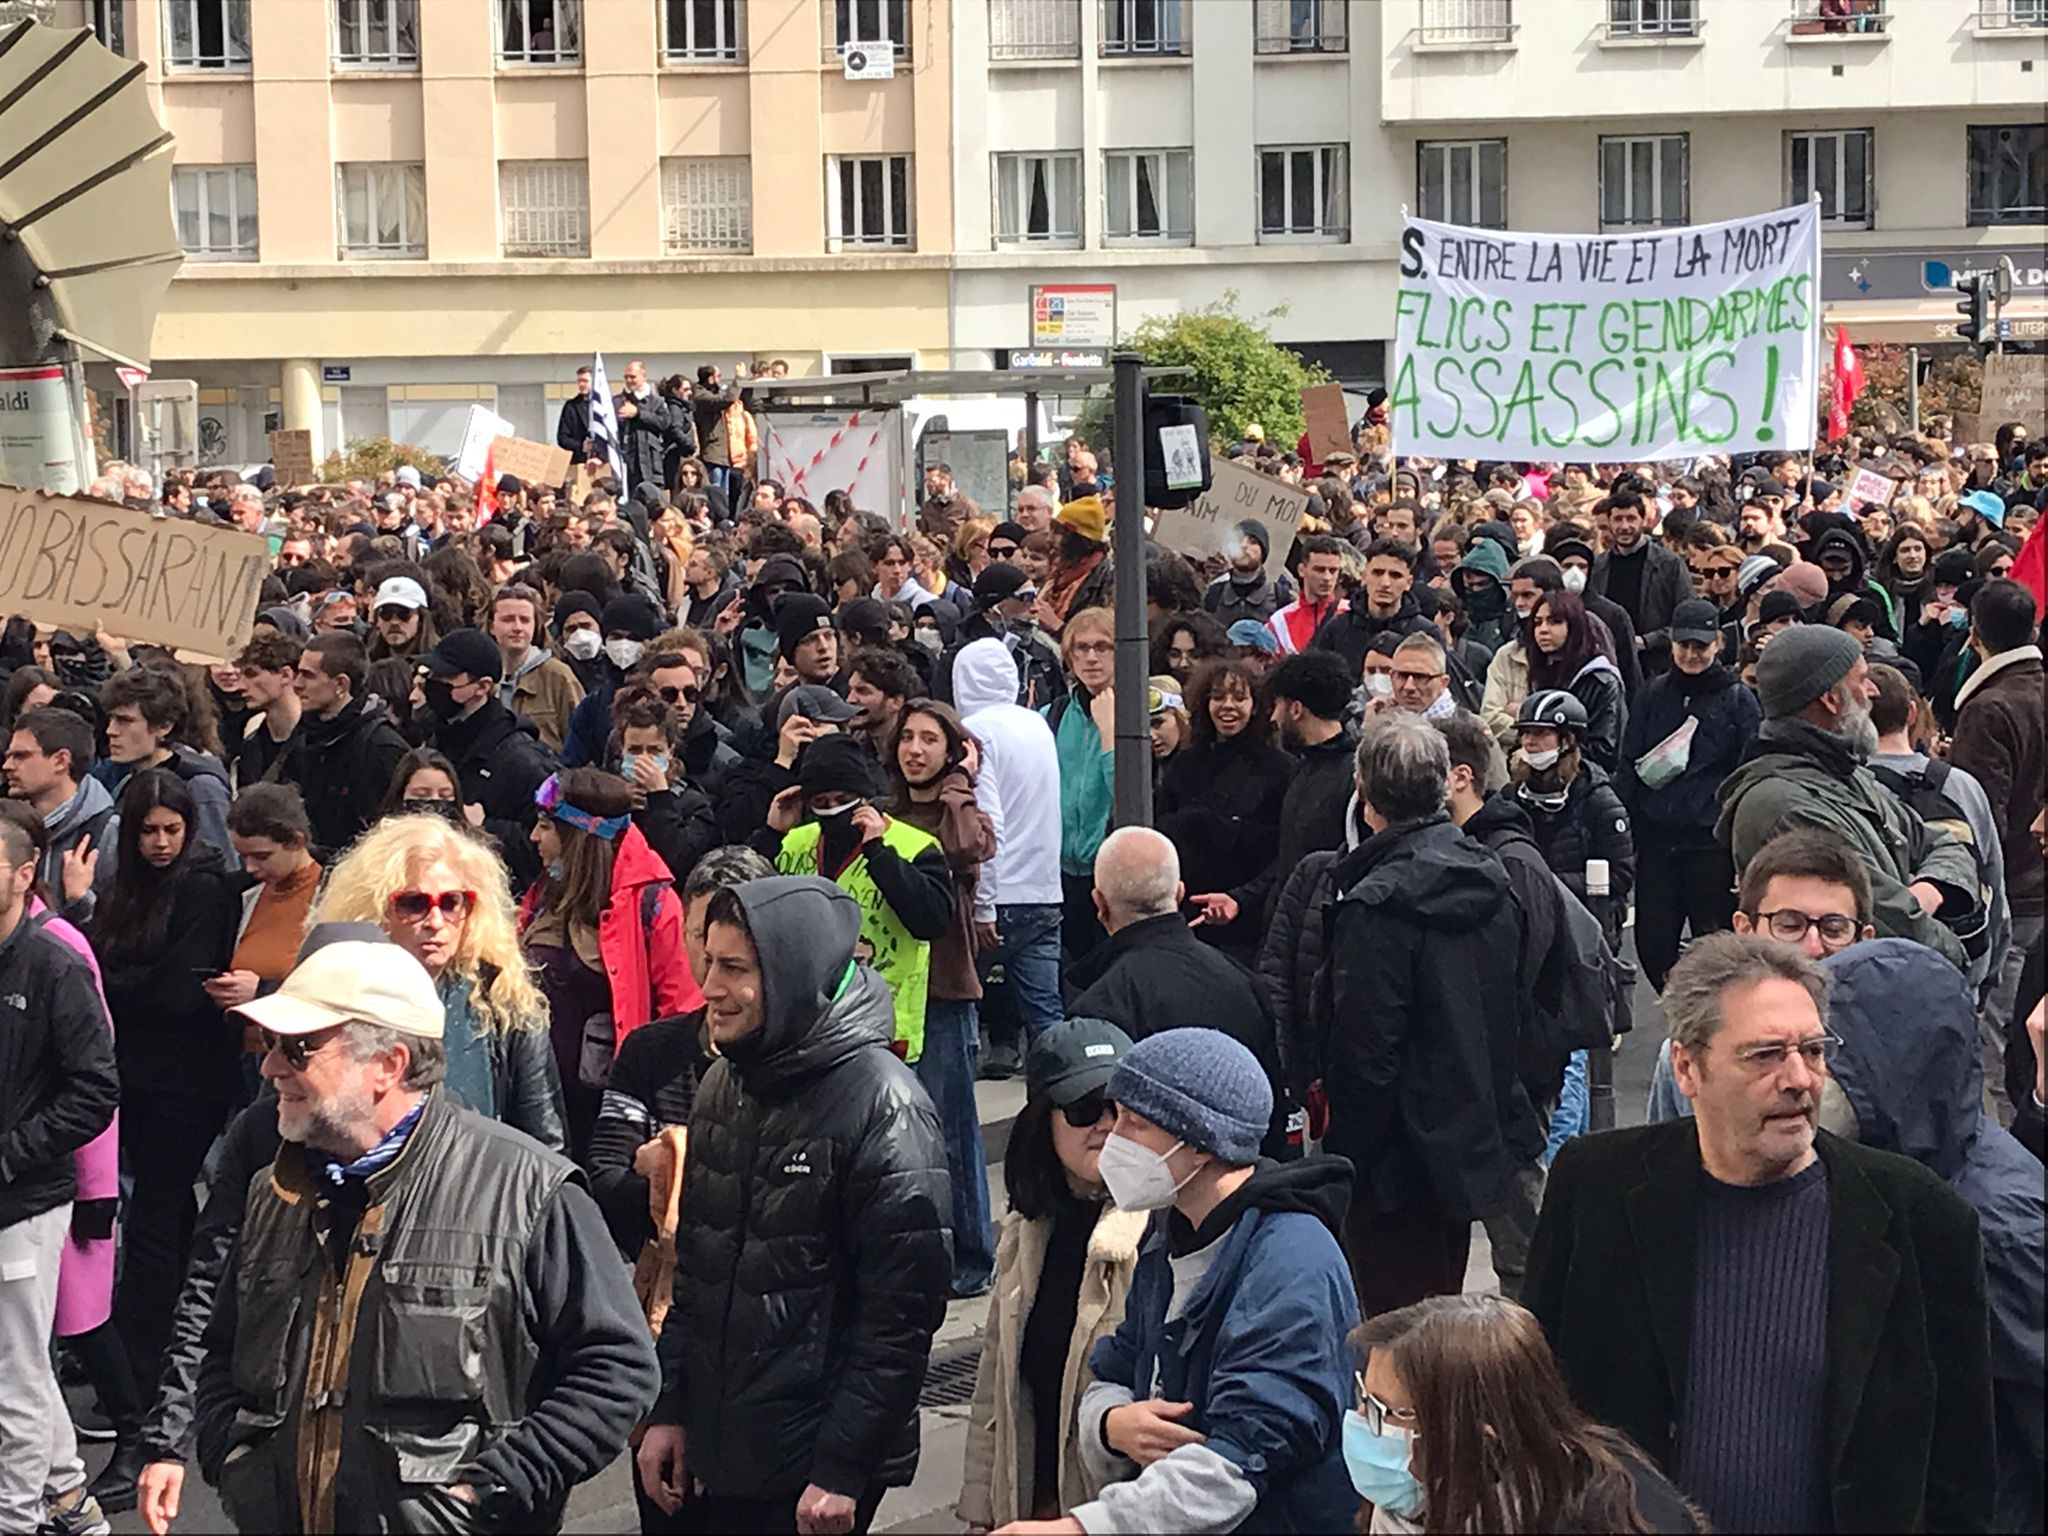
(1064, 1262)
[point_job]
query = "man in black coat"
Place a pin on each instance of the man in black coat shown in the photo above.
(572, 427)
(812, 1262)
(1646, 580)
(498, 756)
(646, 424)
(1793, 1326)
(1385, 603)
(346, 748)
(1423, 950)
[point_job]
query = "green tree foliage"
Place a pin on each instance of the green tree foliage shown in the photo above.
(1241, 375)
(1951, 382)
(368, 457)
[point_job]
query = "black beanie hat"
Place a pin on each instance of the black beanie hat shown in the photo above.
(837, 762)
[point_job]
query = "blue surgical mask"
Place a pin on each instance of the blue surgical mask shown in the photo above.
(1378, 1465)
(1957, 616)
(659, 759)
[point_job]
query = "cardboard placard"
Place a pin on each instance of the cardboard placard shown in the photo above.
(77, 563)
(1870, 489)
(291, 457)
(534, 463)
(1210, 525)
(583, 482)
(1328, 431)
(2015, 389)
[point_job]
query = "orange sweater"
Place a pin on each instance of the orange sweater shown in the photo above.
(269, 944)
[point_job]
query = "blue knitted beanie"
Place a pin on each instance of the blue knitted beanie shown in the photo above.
(1201, 1085)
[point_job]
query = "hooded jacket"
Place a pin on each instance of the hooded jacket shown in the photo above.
(1504, 828)
(1798, 775)
(1230, 600)
(84, 815)
(1911, 1070)
(345, 767)
(1858, 580)
(1493, 621)
(1018, 787)
(500, 762)
(1254, 1349)
(1312, 812)
(812, 1260)
(1591, 824)
(1425, 949)
(1598, 685)
(1683, 813)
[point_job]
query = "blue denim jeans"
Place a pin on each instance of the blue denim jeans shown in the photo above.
(1022, 974)
(946, 1068)
(1573, 1107)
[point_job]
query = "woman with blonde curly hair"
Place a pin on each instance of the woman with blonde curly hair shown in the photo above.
(441, 893)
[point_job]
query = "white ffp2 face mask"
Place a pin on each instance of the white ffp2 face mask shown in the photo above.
(1137, 1177)
(624, 652)
(1574, 578)
(583, 644)
(1542, 760)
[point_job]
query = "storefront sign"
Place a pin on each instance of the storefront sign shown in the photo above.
(1655, 345)
(38, 445)
(1069, 315)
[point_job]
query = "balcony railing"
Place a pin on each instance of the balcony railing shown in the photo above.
(2012, 16)
(1034, 29)
(1840, 18)
(1463, 23)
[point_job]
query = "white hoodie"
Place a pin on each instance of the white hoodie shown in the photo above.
(1019, 783)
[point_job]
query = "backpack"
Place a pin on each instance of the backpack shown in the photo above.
(1921, 793)
(1584, 989)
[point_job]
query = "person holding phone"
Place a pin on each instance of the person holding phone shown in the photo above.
(273, 839)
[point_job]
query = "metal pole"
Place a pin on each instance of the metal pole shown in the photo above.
(1600, 1059)
(1133, 800)
(1913, 388)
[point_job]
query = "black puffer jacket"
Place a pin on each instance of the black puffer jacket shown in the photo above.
(812, 1257)
(1591, 824)
(1424, 1098)
(501, 761)
(343, 767)
(1683, 813)
(1311, 820)
(1289, 961)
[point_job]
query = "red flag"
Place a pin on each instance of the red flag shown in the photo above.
(486, 492)
(2030, 569)
(1848, 385)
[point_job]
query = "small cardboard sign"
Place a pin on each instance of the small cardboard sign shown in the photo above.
(1211, 524)
(2015, 389)
(583, 482)
(534, 463)
(291, 458)
(1328, 430)
(77, 563)
(1870, 489)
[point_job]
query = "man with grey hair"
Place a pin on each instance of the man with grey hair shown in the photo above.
(1791, 1325)
(1155, 972)
(1422, 686)
(1035, 507)
(1419, 1068)
(408, 1275)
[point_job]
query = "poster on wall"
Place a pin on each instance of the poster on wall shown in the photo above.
(1648, 344)
(860, 452)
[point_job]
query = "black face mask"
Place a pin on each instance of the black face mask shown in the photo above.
(1485, 603)
(440, 697)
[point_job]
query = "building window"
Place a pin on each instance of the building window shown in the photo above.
(1463, 181)
(1454, 22)
(380, 33)
(1835, 167)
(1038, 199)
(1652, 18)
(544, 207)
(1998, 15)
(1644, 182)
(207, 34)
(1304, 193)
(540, 31)
(215, 209)
(1148, 194)
(870, 197)
(703, 31)
(110, 26)
(2009, 174)
(1839, 18)
(383, 211)
(870, 24)
(1034, 29)
(707, 204)
(1140, 28)
(1299, 26)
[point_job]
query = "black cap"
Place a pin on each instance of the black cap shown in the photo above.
(1074, 1058)
(863, 617)
(797, 618)
(1563, 549)
(1779, 605)
(814, 701)
(1695, 619)
(998, 582)
(465, 653)
(632, 615)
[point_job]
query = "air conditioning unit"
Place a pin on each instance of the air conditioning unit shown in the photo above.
(868, 61)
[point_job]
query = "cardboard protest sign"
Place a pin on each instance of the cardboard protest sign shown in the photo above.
(534, 463)
(1328, 430)
(1870, 489)
(1212, 525)
(2015, 389)
(164, 581)
(1657, 344)
(582, 483)
(291, 456)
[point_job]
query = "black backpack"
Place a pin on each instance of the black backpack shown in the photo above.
(1921, 793)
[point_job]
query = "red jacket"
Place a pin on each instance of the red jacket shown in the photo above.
(650, 973)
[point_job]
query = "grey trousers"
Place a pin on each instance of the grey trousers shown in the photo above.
(1997, 1019)
(38, 1450)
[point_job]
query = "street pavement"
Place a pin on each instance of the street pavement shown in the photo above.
(605, 1503)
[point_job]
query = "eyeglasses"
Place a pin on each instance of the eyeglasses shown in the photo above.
(1816, 1051)
(1417, 678)
(297, 1050)
(688, 693)
(414, 905)
(1094, 647)
(1001, 551)
(1377, 1414)
(1087, 1110)
(1836, 928)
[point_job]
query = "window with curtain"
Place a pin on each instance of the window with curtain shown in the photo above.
(540, 31)
(377, 33)
(383, 210)
(1463, 181)
(1644, 182)
(1304, 192)
(1148, 194)
(1834, 166)
(870, 197)
(1038, 199)
(214, 207)
(206, 34)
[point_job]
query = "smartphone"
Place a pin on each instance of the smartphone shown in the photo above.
(203, 972)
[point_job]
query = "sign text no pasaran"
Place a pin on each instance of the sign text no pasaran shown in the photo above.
(1656, 344)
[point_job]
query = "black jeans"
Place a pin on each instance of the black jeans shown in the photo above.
(1677, 887)
(716, 1516)
(164, 1140)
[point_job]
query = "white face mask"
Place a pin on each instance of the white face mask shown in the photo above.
(623, 652)
(1379, 685)
(1540, 761)
(583, 644)
(1523, 610)
(1137, 1177)
(1575, 578)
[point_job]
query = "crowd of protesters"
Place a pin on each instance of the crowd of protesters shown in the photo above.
(529, 1001)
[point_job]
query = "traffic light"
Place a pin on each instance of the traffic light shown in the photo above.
(1975, 308)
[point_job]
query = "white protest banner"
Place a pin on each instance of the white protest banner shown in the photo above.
(483, 427)
(1654, 344)
(189, 586)
(1211, 525)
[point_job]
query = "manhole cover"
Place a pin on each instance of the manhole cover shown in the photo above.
(949, 1378)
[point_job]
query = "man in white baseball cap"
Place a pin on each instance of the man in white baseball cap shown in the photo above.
(387, 1194)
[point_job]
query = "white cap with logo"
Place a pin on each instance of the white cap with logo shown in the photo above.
(347, 982)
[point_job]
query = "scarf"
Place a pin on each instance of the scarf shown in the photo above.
(380, 1156)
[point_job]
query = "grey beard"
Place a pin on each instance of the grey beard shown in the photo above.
(1858, 731)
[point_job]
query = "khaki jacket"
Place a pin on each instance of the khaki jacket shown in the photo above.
(548, 696)
(999, 1425)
